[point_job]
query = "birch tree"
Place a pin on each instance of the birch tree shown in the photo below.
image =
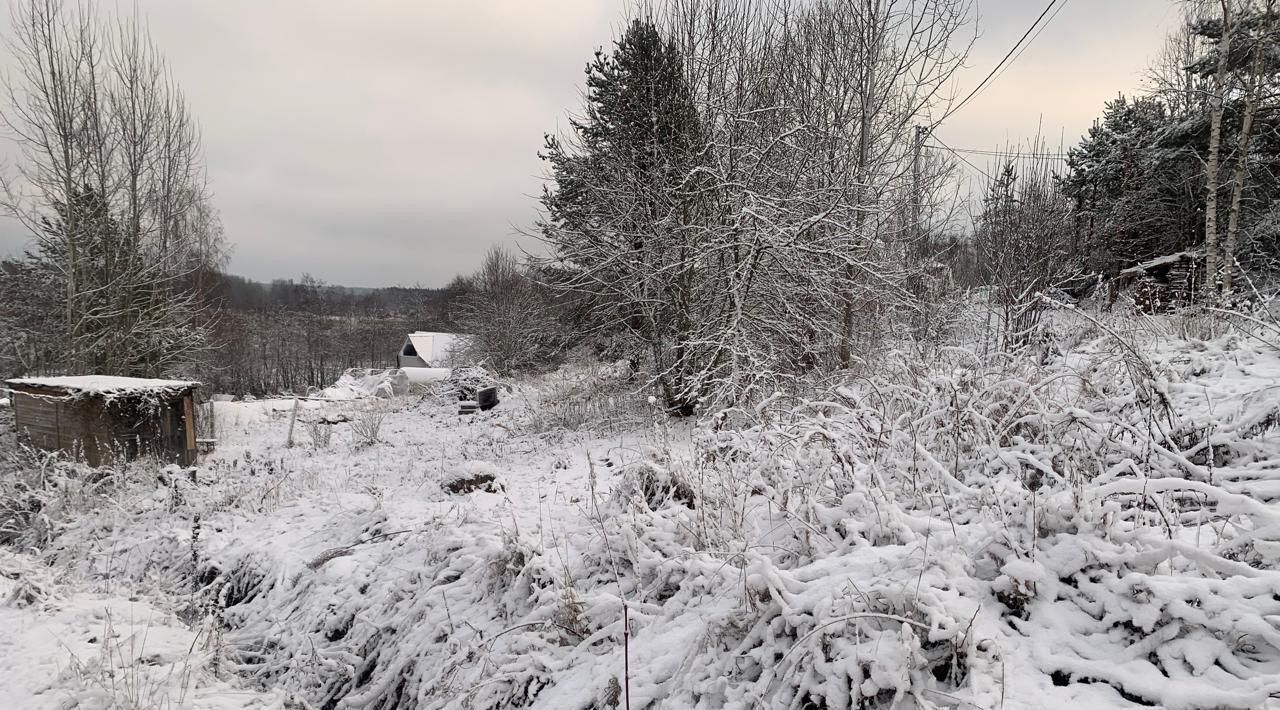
(1241, 63)
(1260, 41)
(110, 183)
(1212, 163)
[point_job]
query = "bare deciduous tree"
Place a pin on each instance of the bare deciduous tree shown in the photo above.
(110, 182)
(509, 316)
(773, 234)
(1022, 238)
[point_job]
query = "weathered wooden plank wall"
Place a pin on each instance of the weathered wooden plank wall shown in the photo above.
(96, 433)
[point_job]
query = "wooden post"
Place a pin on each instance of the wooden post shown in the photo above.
(189, 412)
(293, 417)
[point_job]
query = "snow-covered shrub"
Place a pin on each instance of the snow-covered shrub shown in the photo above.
(1095, 530)
(655, 485)
(1072, 490)
(40, 492)
(366, 425)
(1199, 324)
(582, 395)
(320, 432)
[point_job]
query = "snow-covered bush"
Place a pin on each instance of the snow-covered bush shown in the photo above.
(584, 395)
(320, 433)
(1094, 530)
(1070, 492)
(366, 425)
(40, 492)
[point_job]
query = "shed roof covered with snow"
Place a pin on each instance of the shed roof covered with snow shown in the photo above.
(1163, 262)
(106, 384)
(102, 419)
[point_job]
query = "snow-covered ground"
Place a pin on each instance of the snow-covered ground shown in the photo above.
(62, 648)
(1101, 531)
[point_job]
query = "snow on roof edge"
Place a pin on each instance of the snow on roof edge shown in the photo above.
(103, 384)
(1161, 261)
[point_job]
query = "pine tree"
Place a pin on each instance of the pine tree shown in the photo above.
(130, 315)
(1137, 185)
(624, 198)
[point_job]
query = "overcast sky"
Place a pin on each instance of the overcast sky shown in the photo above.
(391, 142)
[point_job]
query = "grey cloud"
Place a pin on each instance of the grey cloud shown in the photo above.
(403, 246)
(388, 142)
(1093, 50)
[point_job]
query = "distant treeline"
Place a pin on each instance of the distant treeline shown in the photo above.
(124, 270)
(311, 295)
(291, 336)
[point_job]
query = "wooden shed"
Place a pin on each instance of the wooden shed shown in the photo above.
(1163, 284)
(102, 420)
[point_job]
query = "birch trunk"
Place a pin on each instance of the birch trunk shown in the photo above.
(1242, 153)
(1211, 168)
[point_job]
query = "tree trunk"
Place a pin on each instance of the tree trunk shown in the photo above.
(860, 216)
(1215, 148)
(1242, 156)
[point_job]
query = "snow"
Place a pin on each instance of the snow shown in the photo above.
(65, 649)
(105, 384)
(424, 375)
(963, 532)
(360, 383)
(1159, 261)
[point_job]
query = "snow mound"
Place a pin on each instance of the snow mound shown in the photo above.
(358, 383)
(474, 476)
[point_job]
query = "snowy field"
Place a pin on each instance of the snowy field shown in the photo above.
(1098, 528)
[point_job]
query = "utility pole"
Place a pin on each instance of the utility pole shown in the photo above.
(917, 194)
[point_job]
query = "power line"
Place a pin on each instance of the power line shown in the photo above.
(1010, 54)
(966, 161)
(1029, 42)
(1008, 58)
(1010, 154)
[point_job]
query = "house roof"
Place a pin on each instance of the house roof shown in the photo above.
(105, 384)
(433, 347)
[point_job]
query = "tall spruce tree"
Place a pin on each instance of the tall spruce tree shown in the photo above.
(624, 200)
(1137, 185)
(1140, 177)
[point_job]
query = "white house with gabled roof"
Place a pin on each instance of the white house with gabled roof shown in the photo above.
(425, 349)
